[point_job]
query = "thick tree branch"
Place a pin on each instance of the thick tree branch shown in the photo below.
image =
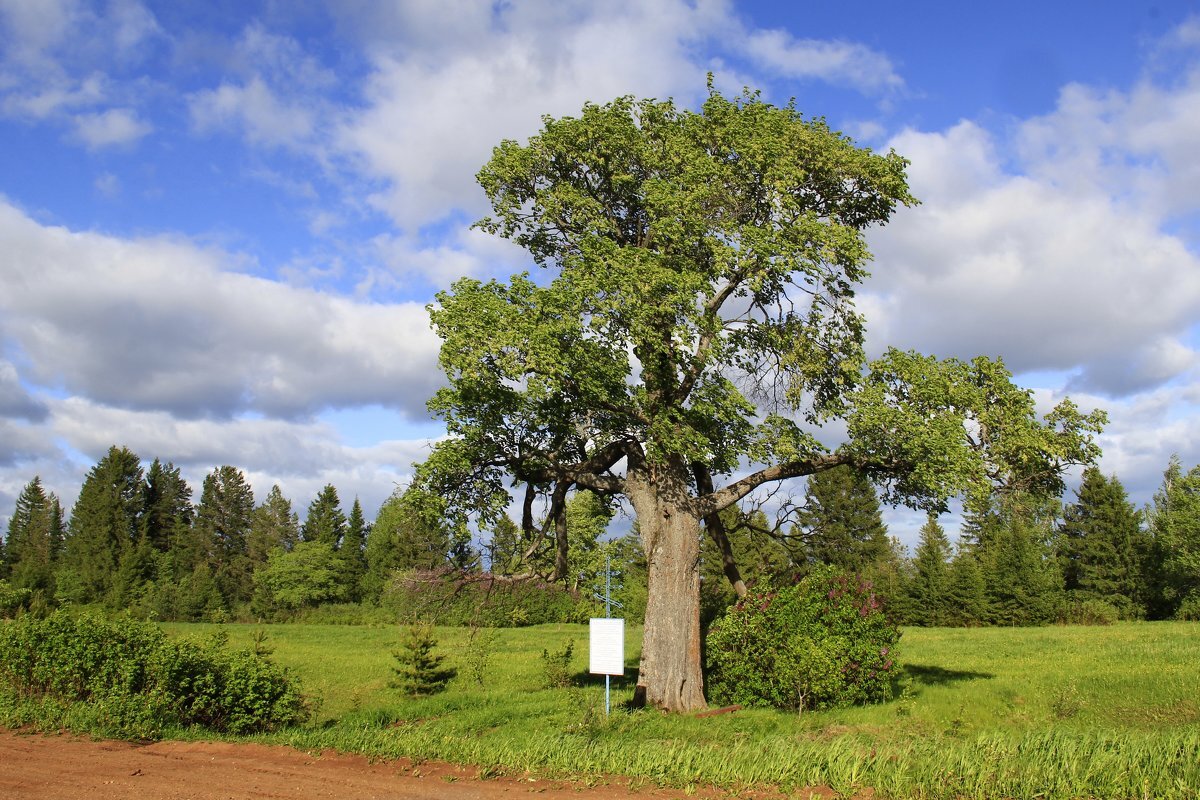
(712, 503)
(716, 529)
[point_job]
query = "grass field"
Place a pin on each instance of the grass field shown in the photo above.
(1045, 712)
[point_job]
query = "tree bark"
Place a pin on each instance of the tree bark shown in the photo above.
(670, 674)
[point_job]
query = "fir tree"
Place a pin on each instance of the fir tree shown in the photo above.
(325, 521)
(105, 524)
(273, 525)
(1101, 546)
(222, 529)
(419, 671)
(930, 587)
(34, 539)
(352, 553)
(168, 512)
(842, 523)
(967, 604)
(1024, 585)
(403, 539)
(1174, 523)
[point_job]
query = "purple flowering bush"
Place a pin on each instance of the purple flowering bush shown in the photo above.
(823, 642)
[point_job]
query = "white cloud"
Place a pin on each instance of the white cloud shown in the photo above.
(1045, 275)
(837, 62)
(254, 109)
(116, 126)
(447, 87)
(161, 324)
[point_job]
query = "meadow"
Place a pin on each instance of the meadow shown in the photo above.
(1063, 712)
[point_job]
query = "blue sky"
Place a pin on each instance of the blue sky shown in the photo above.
(221, 221)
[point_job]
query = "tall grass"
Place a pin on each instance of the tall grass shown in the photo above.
(988, 713)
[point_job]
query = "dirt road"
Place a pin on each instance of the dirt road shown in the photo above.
(35, 767)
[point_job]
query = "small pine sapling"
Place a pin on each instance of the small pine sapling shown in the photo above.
(418, 670)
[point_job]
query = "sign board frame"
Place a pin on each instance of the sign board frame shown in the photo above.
(606, 651)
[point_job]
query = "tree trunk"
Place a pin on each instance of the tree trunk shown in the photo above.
(669, 676)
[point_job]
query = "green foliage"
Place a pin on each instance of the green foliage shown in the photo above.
(1089, 611)
(556, 666)
(1174, 521)
(135, 682)
(418, 670)
(404, 537)
(308, 575)
(454, 597)
(105, 522)
(13, 600)
(1101, 547)
(931, 582)
(841, 523)
(325, 522)
(821, 643)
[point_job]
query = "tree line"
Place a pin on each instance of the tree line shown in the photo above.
(135, 540)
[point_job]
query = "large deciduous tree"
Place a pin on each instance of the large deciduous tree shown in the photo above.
(694, 324)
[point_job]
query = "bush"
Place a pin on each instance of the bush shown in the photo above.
(13, 600)
(556, 666)
(1189, 609)
(821, 643)
(1090, 612)
(135, 682)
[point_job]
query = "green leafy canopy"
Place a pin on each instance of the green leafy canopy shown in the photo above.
(697, 308)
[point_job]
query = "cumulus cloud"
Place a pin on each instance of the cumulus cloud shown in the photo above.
(116, 126)
(162, 324)
(273, 95)
(837, 62)
(15, 400)
(1020, 266)
(446, 87)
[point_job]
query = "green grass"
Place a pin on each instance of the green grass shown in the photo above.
(1047, 712)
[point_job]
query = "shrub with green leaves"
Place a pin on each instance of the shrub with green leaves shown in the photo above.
(823, 642)
(134, 681)
(556, 666)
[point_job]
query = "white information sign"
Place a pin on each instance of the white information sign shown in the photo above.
(606, 655)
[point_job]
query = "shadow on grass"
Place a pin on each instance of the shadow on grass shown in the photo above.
(929, 675)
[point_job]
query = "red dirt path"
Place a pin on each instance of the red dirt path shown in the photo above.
(36, 767)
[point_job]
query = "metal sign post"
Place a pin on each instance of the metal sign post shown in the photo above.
(606, 653)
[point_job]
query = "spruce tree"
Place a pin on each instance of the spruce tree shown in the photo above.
(325, 521)
(33, 539)
(967, 603)
(930, 587)
(1174, 523)
(352, 553)
(168, 513)
(221, 533)
(1101, 546)
(841, 523)
(1024, 584)
(273, 525)
(106, 522)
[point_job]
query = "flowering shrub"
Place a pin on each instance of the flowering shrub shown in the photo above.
(821, 643)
